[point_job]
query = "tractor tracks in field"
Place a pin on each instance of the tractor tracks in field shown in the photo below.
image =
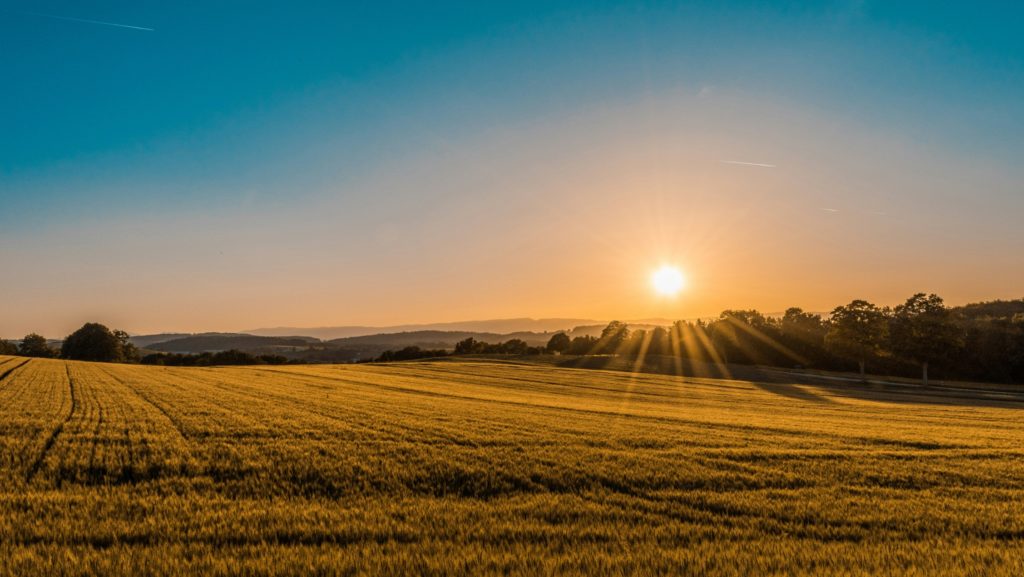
(174, 422)
(33, 470)
(95, 439)
(7, 372)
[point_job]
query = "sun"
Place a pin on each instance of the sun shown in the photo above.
(668, 280)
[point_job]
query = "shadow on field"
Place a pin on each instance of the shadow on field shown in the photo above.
(792, 391)
(788, 383)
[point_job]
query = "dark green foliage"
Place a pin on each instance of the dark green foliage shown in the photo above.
(559, 343)
(466, 346)
(857, 331)
(129, 352)
(612, 338)
(981, 341)
(922, 330)
(409, 354)
(34, 345)
(95, 342)
(8, 348)
(222, 358)
(749, 337)
(583, 345)
(804, 334)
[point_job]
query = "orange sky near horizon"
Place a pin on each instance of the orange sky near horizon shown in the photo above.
(763, 204)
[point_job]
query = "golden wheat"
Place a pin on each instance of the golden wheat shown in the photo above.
(495, 468)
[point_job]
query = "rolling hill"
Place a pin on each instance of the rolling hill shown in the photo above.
(495, 326)
(223, 342)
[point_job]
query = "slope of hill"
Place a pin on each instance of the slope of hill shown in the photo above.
(144, 341)
(214, 343)
(496, 468)
(992, 309)
(496, 326)
(439, 339)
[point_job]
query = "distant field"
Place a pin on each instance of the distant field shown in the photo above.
(495, 468)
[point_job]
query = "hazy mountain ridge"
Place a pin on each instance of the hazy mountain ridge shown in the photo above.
(214, 343)
(494, 326)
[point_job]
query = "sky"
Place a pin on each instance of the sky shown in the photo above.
(198, 166)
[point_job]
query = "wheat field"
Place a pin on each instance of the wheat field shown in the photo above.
(496, 468)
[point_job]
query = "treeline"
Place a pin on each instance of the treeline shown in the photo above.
(468, 346)
(220, 358)
(983, 341)
(92, 342)
(96, 342)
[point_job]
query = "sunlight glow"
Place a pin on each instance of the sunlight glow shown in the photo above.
(668, 280)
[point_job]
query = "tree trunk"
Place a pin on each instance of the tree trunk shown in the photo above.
(924, 373)
(861, 364)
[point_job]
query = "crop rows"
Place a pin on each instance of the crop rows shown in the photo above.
(476, 468)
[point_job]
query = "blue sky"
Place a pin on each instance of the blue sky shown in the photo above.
(257, 108)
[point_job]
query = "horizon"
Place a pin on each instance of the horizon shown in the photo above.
(440, 325)
(194, 169)
(573, 287)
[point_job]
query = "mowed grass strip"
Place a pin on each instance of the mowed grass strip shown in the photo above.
(477, 468)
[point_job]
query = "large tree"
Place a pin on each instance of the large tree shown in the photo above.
(34, 345)
(95, 342)
(612, 337)
(923, 330)
(857, 331)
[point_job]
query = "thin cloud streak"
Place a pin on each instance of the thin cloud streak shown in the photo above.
(72, 19)
(740, 162)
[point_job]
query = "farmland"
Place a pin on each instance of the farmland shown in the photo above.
(488, 467)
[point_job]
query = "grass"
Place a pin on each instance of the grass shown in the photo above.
(496, 468)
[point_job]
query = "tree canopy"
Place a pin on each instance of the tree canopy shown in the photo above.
(95, 342)
(34, 345)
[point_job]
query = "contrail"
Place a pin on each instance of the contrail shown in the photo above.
(829, 209)
(749, 163)
(70, 19)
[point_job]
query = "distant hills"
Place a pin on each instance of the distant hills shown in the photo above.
(496, 326)
(222, 342)
(337, 350)
(353, 343)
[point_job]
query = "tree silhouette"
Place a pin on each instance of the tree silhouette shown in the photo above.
(659, 342)
(558, 343)
(803, 333)
(94, 342)
(582, 345)
(8, 348)
(466, 346)
(515, 347)
(129, 352)
(857, 330)
(922, 330)
(612, 337)
(34, 345)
